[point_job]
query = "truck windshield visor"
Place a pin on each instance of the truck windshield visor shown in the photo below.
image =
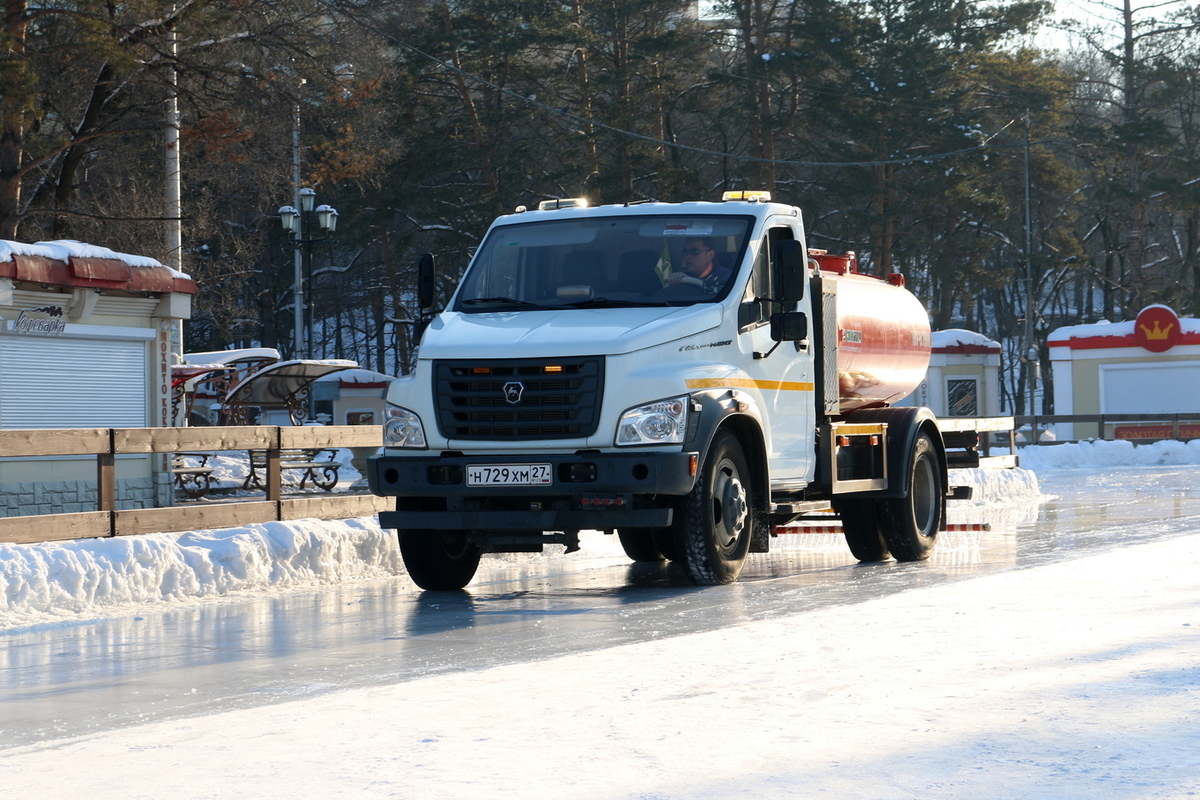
(605, 261)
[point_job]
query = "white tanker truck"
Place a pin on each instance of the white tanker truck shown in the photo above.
(687, 375)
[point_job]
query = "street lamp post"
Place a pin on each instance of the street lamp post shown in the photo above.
(301, 224)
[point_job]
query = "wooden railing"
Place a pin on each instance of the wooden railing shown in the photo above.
(1174, 426)
(105, 444)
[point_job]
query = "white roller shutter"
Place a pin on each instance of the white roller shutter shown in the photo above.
(1156, 388)
(72, 383)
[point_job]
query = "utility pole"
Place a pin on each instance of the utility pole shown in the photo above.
(172, 194)
(1032, 362)
(298, 350)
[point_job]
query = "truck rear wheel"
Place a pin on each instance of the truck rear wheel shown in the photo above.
(439, 560)
(639, 544)
(862, 529)
(910, 524)
(712, 535)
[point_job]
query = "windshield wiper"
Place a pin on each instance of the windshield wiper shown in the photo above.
(500, 301)
(604, 302)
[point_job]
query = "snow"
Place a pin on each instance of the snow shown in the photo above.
(957, 336)
(1076, 679)
(222, 357)
(1114, 329)
(1101, 453)
(75, 580)
(64, 249)
(347, 376)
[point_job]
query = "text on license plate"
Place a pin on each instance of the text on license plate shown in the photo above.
(509, 475)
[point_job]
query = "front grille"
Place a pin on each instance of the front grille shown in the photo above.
(554, 398)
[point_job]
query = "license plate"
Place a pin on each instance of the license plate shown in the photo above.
(508, 475)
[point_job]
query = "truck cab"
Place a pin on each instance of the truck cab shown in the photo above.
(667, 372)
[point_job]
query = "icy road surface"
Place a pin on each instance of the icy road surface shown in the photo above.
(75, 679)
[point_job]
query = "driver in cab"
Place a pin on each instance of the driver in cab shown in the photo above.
(699, 265)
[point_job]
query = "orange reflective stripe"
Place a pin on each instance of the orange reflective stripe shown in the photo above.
(750, 383)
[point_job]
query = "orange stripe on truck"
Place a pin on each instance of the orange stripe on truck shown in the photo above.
(750, 383)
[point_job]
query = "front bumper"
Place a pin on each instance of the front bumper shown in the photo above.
(588, 491)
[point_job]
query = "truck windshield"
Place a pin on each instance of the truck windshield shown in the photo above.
(605, 261)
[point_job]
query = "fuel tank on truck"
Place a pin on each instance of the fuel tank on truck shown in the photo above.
(882, 338)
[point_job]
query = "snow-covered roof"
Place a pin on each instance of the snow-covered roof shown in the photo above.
(65, 249)
(65, 262)
(218, 357)
(1126, 328)
(365, 376)
(957, 337)
(1117, 334)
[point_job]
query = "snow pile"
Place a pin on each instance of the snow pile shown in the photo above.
(1099, 454)
(72, 580)
(997, 486)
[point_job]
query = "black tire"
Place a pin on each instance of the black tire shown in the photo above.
(712, 533)
(639, 544)
(910, 524)
(439, 560)
(862, 529)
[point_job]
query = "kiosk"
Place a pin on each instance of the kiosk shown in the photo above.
(87, 340)
(963, 379)
(1150, 365)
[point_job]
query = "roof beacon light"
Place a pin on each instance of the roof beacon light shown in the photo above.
(564, 202)
(757, 196)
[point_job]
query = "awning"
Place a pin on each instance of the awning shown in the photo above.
(281, 385)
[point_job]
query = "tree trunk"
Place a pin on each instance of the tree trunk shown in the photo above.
(17, 103)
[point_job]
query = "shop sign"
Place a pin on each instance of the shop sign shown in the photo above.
(47, 320)
(1157, 329)
(1186, 431)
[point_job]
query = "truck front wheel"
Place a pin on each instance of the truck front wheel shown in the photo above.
(910, 524)
(712, 534)
(439, 560)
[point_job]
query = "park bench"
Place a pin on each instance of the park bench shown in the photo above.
(192, 474)
(321, 470)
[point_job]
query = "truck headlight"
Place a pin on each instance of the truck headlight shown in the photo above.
(402, 428)
(662, 422)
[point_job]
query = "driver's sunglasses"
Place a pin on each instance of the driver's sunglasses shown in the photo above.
(693, 251)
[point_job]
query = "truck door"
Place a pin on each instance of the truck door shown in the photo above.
(785, 376)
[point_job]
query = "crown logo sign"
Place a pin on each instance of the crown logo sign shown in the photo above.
(1157, 333)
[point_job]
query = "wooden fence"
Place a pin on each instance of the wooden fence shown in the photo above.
(1169, 426)
(105, 444)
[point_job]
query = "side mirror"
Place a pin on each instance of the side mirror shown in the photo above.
(790, 270)
(425, 270)
(789, 326)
